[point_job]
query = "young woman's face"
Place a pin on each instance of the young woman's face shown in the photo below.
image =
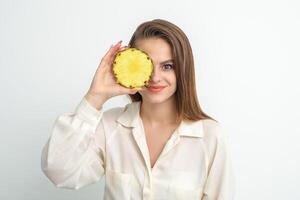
(162, 85)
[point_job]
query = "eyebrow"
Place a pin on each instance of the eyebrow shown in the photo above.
(170, 60)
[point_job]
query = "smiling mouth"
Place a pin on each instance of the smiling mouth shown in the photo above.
(155, 88)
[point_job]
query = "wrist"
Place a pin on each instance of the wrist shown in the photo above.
(96, 101)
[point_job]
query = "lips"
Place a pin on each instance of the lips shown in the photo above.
(156, 88)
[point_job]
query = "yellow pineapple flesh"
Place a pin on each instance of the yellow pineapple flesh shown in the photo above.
(132, 68)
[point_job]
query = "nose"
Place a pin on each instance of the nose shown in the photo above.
(155, 78)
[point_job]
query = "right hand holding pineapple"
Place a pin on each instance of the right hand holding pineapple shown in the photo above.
(104, 86)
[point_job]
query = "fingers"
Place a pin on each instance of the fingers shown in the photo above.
(107, 58)
(123, 48)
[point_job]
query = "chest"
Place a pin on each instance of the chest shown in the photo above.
(156, 139)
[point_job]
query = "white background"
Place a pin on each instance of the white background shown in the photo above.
(247, 63)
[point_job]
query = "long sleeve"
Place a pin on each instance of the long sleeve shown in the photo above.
(220, 183)
(74, 155)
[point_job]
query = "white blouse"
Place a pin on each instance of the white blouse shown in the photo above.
(88, 143)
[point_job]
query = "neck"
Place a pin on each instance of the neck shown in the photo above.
(160, 113)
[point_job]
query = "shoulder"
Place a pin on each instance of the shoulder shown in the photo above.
(214, 134)
(213, 129)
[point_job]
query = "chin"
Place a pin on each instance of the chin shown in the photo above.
(156, 99)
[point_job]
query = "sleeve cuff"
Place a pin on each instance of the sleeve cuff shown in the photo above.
(88, 112)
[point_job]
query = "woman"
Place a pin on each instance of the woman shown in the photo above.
(159, 146)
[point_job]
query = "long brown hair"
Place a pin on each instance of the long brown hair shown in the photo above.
(188, 107)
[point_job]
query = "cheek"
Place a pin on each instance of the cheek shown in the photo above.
(172, 80)
(172, 85)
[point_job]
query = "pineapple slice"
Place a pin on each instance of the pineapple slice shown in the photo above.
(132, 68)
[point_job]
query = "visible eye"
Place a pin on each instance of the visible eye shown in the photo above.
(168, 66)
